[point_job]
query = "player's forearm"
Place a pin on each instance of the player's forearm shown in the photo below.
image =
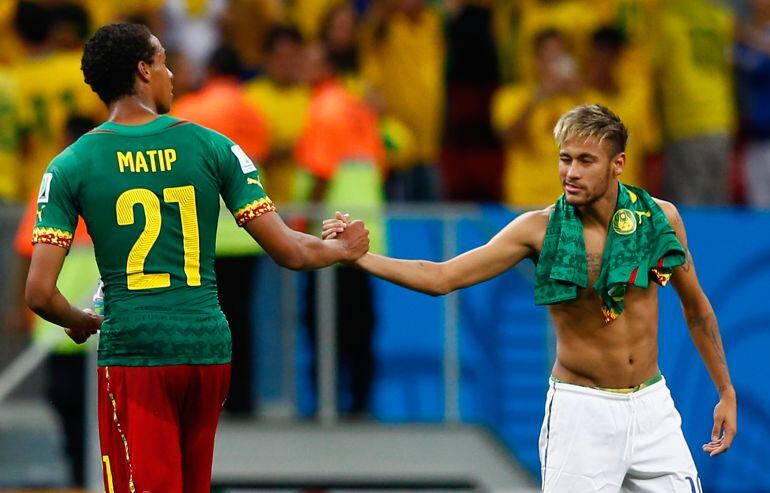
(314, 253)
(704, 331)
(55, 308)
(418, 275)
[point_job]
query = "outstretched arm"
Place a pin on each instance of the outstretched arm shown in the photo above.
(300, 251)
(44, 298)
(704, 331)
(516, 241)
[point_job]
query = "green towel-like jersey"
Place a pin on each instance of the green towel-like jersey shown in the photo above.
(149, 195)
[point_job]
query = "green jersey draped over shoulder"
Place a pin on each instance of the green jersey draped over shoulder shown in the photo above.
(149, 195)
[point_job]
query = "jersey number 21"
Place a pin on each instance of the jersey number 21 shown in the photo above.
(185, 197)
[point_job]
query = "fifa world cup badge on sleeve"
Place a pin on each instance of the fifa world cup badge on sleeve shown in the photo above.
(45, 188)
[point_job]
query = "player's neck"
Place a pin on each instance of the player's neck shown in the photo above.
(133, 110)
(600, 212)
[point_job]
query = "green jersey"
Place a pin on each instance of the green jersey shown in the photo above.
(149, 195)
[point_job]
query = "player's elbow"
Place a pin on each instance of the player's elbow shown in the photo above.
(291, 259)
(441, 284)
(37, 296)
(436, 292)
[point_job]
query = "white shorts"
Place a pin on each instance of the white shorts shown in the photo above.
(598, 441)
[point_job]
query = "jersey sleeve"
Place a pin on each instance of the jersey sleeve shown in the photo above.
(241, 187)
(57, 211)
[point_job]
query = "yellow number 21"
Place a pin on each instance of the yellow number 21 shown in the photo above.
(124, 208)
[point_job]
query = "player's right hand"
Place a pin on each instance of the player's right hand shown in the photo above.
(355, 239)
(333, 227)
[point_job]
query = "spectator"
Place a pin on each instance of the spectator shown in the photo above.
(222, 106)
(46, 102)
(524, 116)
(245, 26)
(70, 26)
(637, 20)
(339, 32)
(752, 59)
(574, 19)
(696, 91)
(340, 148)
(629, 101)
(404, 60)
(193, 28)
(283, 101)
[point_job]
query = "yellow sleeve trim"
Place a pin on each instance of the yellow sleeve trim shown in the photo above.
(253, 210)
(52, 236)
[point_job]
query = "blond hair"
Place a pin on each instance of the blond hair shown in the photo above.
(592, 120)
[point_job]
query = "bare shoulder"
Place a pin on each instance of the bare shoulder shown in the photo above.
(536, 220)
(672, 213)
(528, 228)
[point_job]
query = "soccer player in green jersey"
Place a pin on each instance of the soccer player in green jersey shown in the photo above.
(148, 188)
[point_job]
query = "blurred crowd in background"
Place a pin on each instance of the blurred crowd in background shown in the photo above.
(454, 99)
(371, 101)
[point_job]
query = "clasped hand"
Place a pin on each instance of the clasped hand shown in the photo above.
(353, 233)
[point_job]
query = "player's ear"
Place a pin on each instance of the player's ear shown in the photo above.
(143, 70)
(619, 163)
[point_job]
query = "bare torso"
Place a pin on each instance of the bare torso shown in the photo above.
(590, 352)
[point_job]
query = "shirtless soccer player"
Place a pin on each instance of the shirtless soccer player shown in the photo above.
(610, 424)
(148, 187)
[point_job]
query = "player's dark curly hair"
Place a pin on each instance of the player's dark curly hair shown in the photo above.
(110, 58)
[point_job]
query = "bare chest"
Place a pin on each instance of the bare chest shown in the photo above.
(594, 243)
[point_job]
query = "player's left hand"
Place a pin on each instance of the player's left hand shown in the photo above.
(91, 324)
(725, 426)
(333, 227)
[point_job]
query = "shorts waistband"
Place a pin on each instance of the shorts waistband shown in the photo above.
(630, 390)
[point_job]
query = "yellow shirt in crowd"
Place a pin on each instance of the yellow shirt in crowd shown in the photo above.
(531, 175)
(9, 140)
(284, 109)
(407, 66)
(51, 90)
(575, 19)
(695, 78)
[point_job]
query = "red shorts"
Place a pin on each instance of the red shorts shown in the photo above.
(157, 426)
